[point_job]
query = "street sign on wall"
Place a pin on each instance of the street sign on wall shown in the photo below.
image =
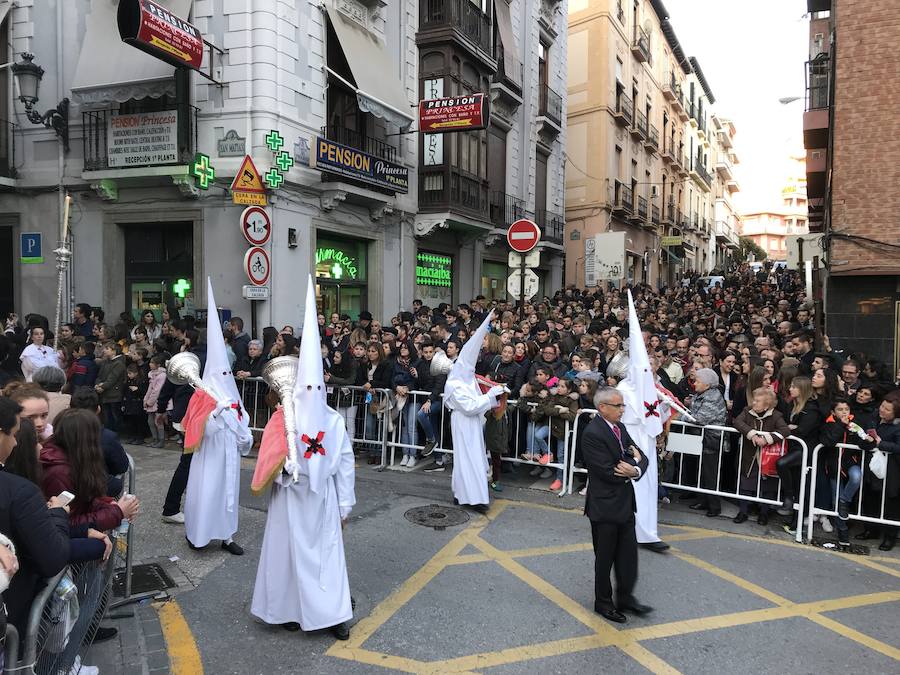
(609, 256)
(590, 267)
(31, 252)
(154, 29)
(457, 113)
(523, 235)
(257, 266)
(514, 283)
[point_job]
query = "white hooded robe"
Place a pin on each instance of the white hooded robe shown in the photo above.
(213, 488)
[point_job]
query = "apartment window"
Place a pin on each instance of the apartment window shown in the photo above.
(618, 162)
(540, 181)
(619, 77)
(543, 74)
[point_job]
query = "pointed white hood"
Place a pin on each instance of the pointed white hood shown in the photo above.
(643, 404)
(217, 373)
(464, 367)
(318, 427)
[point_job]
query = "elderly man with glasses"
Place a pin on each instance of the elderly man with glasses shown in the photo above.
(613, 462)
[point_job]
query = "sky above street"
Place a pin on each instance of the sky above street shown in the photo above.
(752, 54)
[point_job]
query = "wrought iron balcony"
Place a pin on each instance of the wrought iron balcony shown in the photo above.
(668, 154)
(97, 150)
(668, 214)
(358, 141)
(642, 208)
(510, 70)
(654, 214)
(624, 111)
(506, 209)
(818, 83)
(550, 104)
(652, 141)
(442, 189)
(640, 45)
(463, 16)
(623, 200)
(701, 175)
(552, 226)
(639, 127)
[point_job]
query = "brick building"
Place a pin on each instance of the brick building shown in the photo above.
(851, 133)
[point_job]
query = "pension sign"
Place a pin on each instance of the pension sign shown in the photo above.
(335, 158)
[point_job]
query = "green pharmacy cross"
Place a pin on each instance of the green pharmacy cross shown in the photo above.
(336, 271)
(284, 160)
(274, 140)
(203, 171)
(181, 287)
(273, 178)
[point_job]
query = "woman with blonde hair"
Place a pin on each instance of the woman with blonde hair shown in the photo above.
(805, 420)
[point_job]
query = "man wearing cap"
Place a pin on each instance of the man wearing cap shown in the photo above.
(365, 322)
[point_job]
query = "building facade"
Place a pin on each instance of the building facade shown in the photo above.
(323, 96)
(727, 223)
(786, 216)
(851, 176)
(640, 147)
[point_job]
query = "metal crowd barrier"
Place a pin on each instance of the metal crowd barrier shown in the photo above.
(66, 613)
(366, 416)
(253, 392)
(863, 509)
(686, 441)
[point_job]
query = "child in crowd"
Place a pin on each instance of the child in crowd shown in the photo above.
(761, 424)
(110, 385)
(83, 372)
(560, 408)
(532, 395)
(133, 404)
(155, 381)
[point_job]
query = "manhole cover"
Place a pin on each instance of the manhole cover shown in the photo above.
(144, 578)
(436, 516)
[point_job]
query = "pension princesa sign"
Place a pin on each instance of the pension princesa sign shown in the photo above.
(357, 165)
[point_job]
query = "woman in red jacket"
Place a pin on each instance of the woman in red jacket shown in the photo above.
(72, 460)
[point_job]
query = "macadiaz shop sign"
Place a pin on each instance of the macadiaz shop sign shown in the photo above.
(351, 163)
(457, 113)
(154, 29)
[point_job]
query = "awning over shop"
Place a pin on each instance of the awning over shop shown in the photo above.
(110, 71)
(378, 89)
(504, 28)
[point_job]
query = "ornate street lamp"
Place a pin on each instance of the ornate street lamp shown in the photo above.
(28, 77)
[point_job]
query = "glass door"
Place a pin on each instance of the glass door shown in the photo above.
(340, 298)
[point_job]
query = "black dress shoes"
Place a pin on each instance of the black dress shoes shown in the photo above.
(192, 547)
(341, 631)
(741, 517)
(656, 546)
(699, 506)
(613, 615)
(635, 607)
(232, 548)
(291, 626)
(481, 508)
(713, 514)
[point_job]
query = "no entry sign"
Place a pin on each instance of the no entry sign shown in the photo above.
(523, 235)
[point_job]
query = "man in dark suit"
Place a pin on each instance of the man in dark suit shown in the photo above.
(613, 461)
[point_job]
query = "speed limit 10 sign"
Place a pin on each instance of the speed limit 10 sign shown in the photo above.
(256, 225)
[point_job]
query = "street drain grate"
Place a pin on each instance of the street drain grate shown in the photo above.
(144, 579)
(436, 516)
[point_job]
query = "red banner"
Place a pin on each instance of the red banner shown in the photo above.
(457, 113)
(155, 30)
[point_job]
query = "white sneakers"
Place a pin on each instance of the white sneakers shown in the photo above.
(175, 519)
(405, 460)
(408, 461)
(826, 524)
(78, 669)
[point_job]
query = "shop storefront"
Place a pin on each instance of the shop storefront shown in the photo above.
(159, 268)
(341, 275)
(434, 278)
(493, 280)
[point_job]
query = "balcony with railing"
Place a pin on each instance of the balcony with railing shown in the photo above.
(552, 226)
(623, 200)
(652, 140)
(672, 92)
(506, 209)
(7, 149)
(726, 235)
(701, 175)
(816, 117)
(641, 212)
(166, 150)
(668, 154)
(695, 222)
(357, 141)
(724, 167)
(692, 113)
(510, 70)
(623, 112)
(462, 19)
(640, 45)
(639, 126)
(453, 190)
(550, 105)
(654, 214)
(668, 213)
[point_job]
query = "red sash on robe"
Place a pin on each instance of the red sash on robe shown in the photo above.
(273, 452)
(485, 385)
(200, 407)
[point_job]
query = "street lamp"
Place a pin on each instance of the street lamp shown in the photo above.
(784, 100)
(28, 77)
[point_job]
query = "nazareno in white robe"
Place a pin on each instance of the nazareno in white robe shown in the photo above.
(302, 573)
(470, 465)
(213, 489)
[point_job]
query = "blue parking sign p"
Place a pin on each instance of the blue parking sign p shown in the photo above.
(31, 248)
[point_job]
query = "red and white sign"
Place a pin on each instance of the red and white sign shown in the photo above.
(257, 266)
(256, 225)
(458, 113)
(155, 30)
(523, 235)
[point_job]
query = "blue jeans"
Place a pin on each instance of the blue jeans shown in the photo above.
(371, 432)
(536, 438)
(429, 420)
(848, 488)
(560, 455)
(407, 422)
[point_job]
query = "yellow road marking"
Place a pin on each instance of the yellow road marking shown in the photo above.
(604, 634)
(184, 658)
